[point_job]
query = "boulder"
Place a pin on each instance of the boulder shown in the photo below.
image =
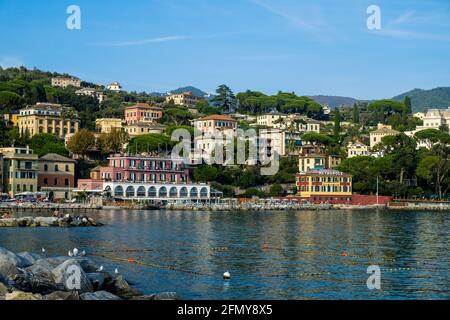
(46, 221)
(97, 279)
(42, 267)
(56, 261)
(75, 223)
(87, 264)
(9, 222)
(120, 287)
(62, 295)
(31, 258)
(158, 296)
(64, 274)
(99, 295)
(38, 283)
(3, 290)
(9, 262)
(25, 221)
(19, 295)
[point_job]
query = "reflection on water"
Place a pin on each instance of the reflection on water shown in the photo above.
(270, 255)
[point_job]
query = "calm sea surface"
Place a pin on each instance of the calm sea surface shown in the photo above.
(270, 255)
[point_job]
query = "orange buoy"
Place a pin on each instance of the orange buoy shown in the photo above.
(344, 254)
(131, 260)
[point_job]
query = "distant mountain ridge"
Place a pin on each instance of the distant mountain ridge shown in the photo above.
(335, 101)
(421, 100)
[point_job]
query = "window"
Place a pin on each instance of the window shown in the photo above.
(67, 168)
(56, 181)
(45, 181)
(66, 182)
(45, 167)
(56, 168)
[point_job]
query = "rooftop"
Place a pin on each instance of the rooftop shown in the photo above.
(325, 172)
(216, 117)
(143, 106)
(55, 157)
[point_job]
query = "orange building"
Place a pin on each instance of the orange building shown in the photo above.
(142, 112)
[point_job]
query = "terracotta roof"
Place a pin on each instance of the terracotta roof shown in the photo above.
(217, 117)
(143, 106)
(385, 131)
(56, 157)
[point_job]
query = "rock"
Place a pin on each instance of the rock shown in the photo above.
(3, 290)
(56, 261)
(64, 273)
(31, 258)
(42, 267)
(25, 221)
(158, 296)
(92, 222)
(62, 295)
(9, 262)
(119, 286)
(19, 295)
(87, 264)
(46, 221)
(9, 223)
(36, 283)
(99, 295)
(75, 223)
(97, 280)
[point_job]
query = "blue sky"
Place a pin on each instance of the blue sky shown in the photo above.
(310, 47)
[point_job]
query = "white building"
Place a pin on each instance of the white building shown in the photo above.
(435, 118)
(91, 92)
(64, 82)
(381, 132)
(355, 149)
(279, 140)
(115, 86)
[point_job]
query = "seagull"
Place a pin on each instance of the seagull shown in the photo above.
(70, 253)
(83, 253)
(75, 252)
(100, 269)
(116, 271)
(227, 276)
(43, 250)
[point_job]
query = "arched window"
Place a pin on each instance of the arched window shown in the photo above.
(130, 192)
(152, 192)
(163, 192)
(194, 192)
(183, 192)
(118, 191)
(204, 193)
(141, 192)
(67, 168)
(173, 193)
(56, 168)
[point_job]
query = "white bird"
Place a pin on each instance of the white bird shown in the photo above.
(226, 276)
(100, 269)
(116, 271)
(83, 253)
(70, 253)
(75, 252)
(43, 250)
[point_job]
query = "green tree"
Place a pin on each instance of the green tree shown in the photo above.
(112, 142)
(225, 99)
(276, 190)
(81, 143)
(355, 113)
(45, 143)
(150, 143)
(337, 123)
(407, 103)
(205, 173)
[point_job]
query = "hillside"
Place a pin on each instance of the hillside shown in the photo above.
(424, 99)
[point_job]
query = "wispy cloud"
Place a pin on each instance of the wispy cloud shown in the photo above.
(9, 62)
(400, 28)
(309, 25)
(142, 42)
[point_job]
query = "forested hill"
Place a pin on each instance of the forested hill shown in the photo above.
(425, 99)
(335, 101)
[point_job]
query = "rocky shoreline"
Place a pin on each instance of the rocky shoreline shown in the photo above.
(30, 276)
(66, 221)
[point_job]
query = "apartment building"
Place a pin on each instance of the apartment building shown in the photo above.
(106, 125)
(56, 176)
(184, 99)
(142, 112)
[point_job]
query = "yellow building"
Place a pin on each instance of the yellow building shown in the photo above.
(20, 170)
(184, 99)
(48, 118)
(144, 127)
(65, 82)
(381, 132)
(324, 186)
(106, 125)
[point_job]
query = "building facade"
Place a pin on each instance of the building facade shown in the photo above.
(64, 82)
(142, 112)
(381, 132)
(106, 125)
(20, 170)
(140, 128)
(281, 141)
(325, 186)
(48, 118)
(56, 176)
(184, 99)
(114, 86)
(356, 149)
(91, 92)
(435, 119)
(141, 177)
